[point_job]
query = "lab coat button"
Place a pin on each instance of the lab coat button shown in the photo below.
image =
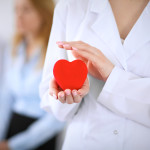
(115, 132)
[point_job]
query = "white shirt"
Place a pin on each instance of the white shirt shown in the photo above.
(114, 115)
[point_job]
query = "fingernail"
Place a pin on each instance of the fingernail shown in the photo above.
(66, 45)
(62, 95)
(59, 43)
(74, 48)
(67, 92)
(74, 93)
(54, 96)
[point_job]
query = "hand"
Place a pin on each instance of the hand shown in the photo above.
(4, 145)
(68, 96)
(98, 65)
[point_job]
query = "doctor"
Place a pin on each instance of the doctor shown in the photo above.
(112, 109)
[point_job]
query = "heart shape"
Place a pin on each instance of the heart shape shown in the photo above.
(70, 75)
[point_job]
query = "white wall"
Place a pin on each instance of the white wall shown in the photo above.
(7, 19)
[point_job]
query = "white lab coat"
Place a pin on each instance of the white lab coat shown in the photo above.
(114, 115)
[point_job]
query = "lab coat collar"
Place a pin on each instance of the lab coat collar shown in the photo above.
(106, 28)
(139, 34)
(98, 5)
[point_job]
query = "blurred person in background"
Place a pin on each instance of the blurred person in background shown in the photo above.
(2, 47)
(23, 125)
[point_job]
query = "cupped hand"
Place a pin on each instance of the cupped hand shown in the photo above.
(97, 63)
(68, 96)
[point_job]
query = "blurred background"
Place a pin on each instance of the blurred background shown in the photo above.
(24, 34)
(7, 18)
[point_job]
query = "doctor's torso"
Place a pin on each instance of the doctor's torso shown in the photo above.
(95, 126)
(114, 114)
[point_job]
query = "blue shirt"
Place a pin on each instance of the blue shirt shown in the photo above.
(2, 70)
(22, 96)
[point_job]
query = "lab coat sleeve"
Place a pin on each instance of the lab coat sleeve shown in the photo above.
(39, 132)
(58, 33)
(127, 95)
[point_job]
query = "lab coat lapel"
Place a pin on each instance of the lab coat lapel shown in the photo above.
(105, 27)
(139, 34)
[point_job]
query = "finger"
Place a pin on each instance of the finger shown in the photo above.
(68, 45)
(69, 98)
(85, 88)
(70, 42)
(64, 45)
(61, 97)
(53, 88)
(97, 61)
(77, 56)
(76, 97)
(86, 48)
(60, 45)
(79, 45)
(87, 56)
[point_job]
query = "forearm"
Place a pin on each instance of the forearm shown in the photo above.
(38, 133)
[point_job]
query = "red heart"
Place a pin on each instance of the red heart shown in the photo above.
(70, 75)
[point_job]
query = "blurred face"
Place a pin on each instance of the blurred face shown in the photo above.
(28, 20)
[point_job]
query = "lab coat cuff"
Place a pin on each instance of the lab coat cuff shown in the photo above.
(110, 85)
(62, 112)
(46, 102)
(113, 79)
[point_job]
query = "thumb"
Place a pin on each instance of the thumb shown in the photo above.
(53, 88)
(85, 88)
